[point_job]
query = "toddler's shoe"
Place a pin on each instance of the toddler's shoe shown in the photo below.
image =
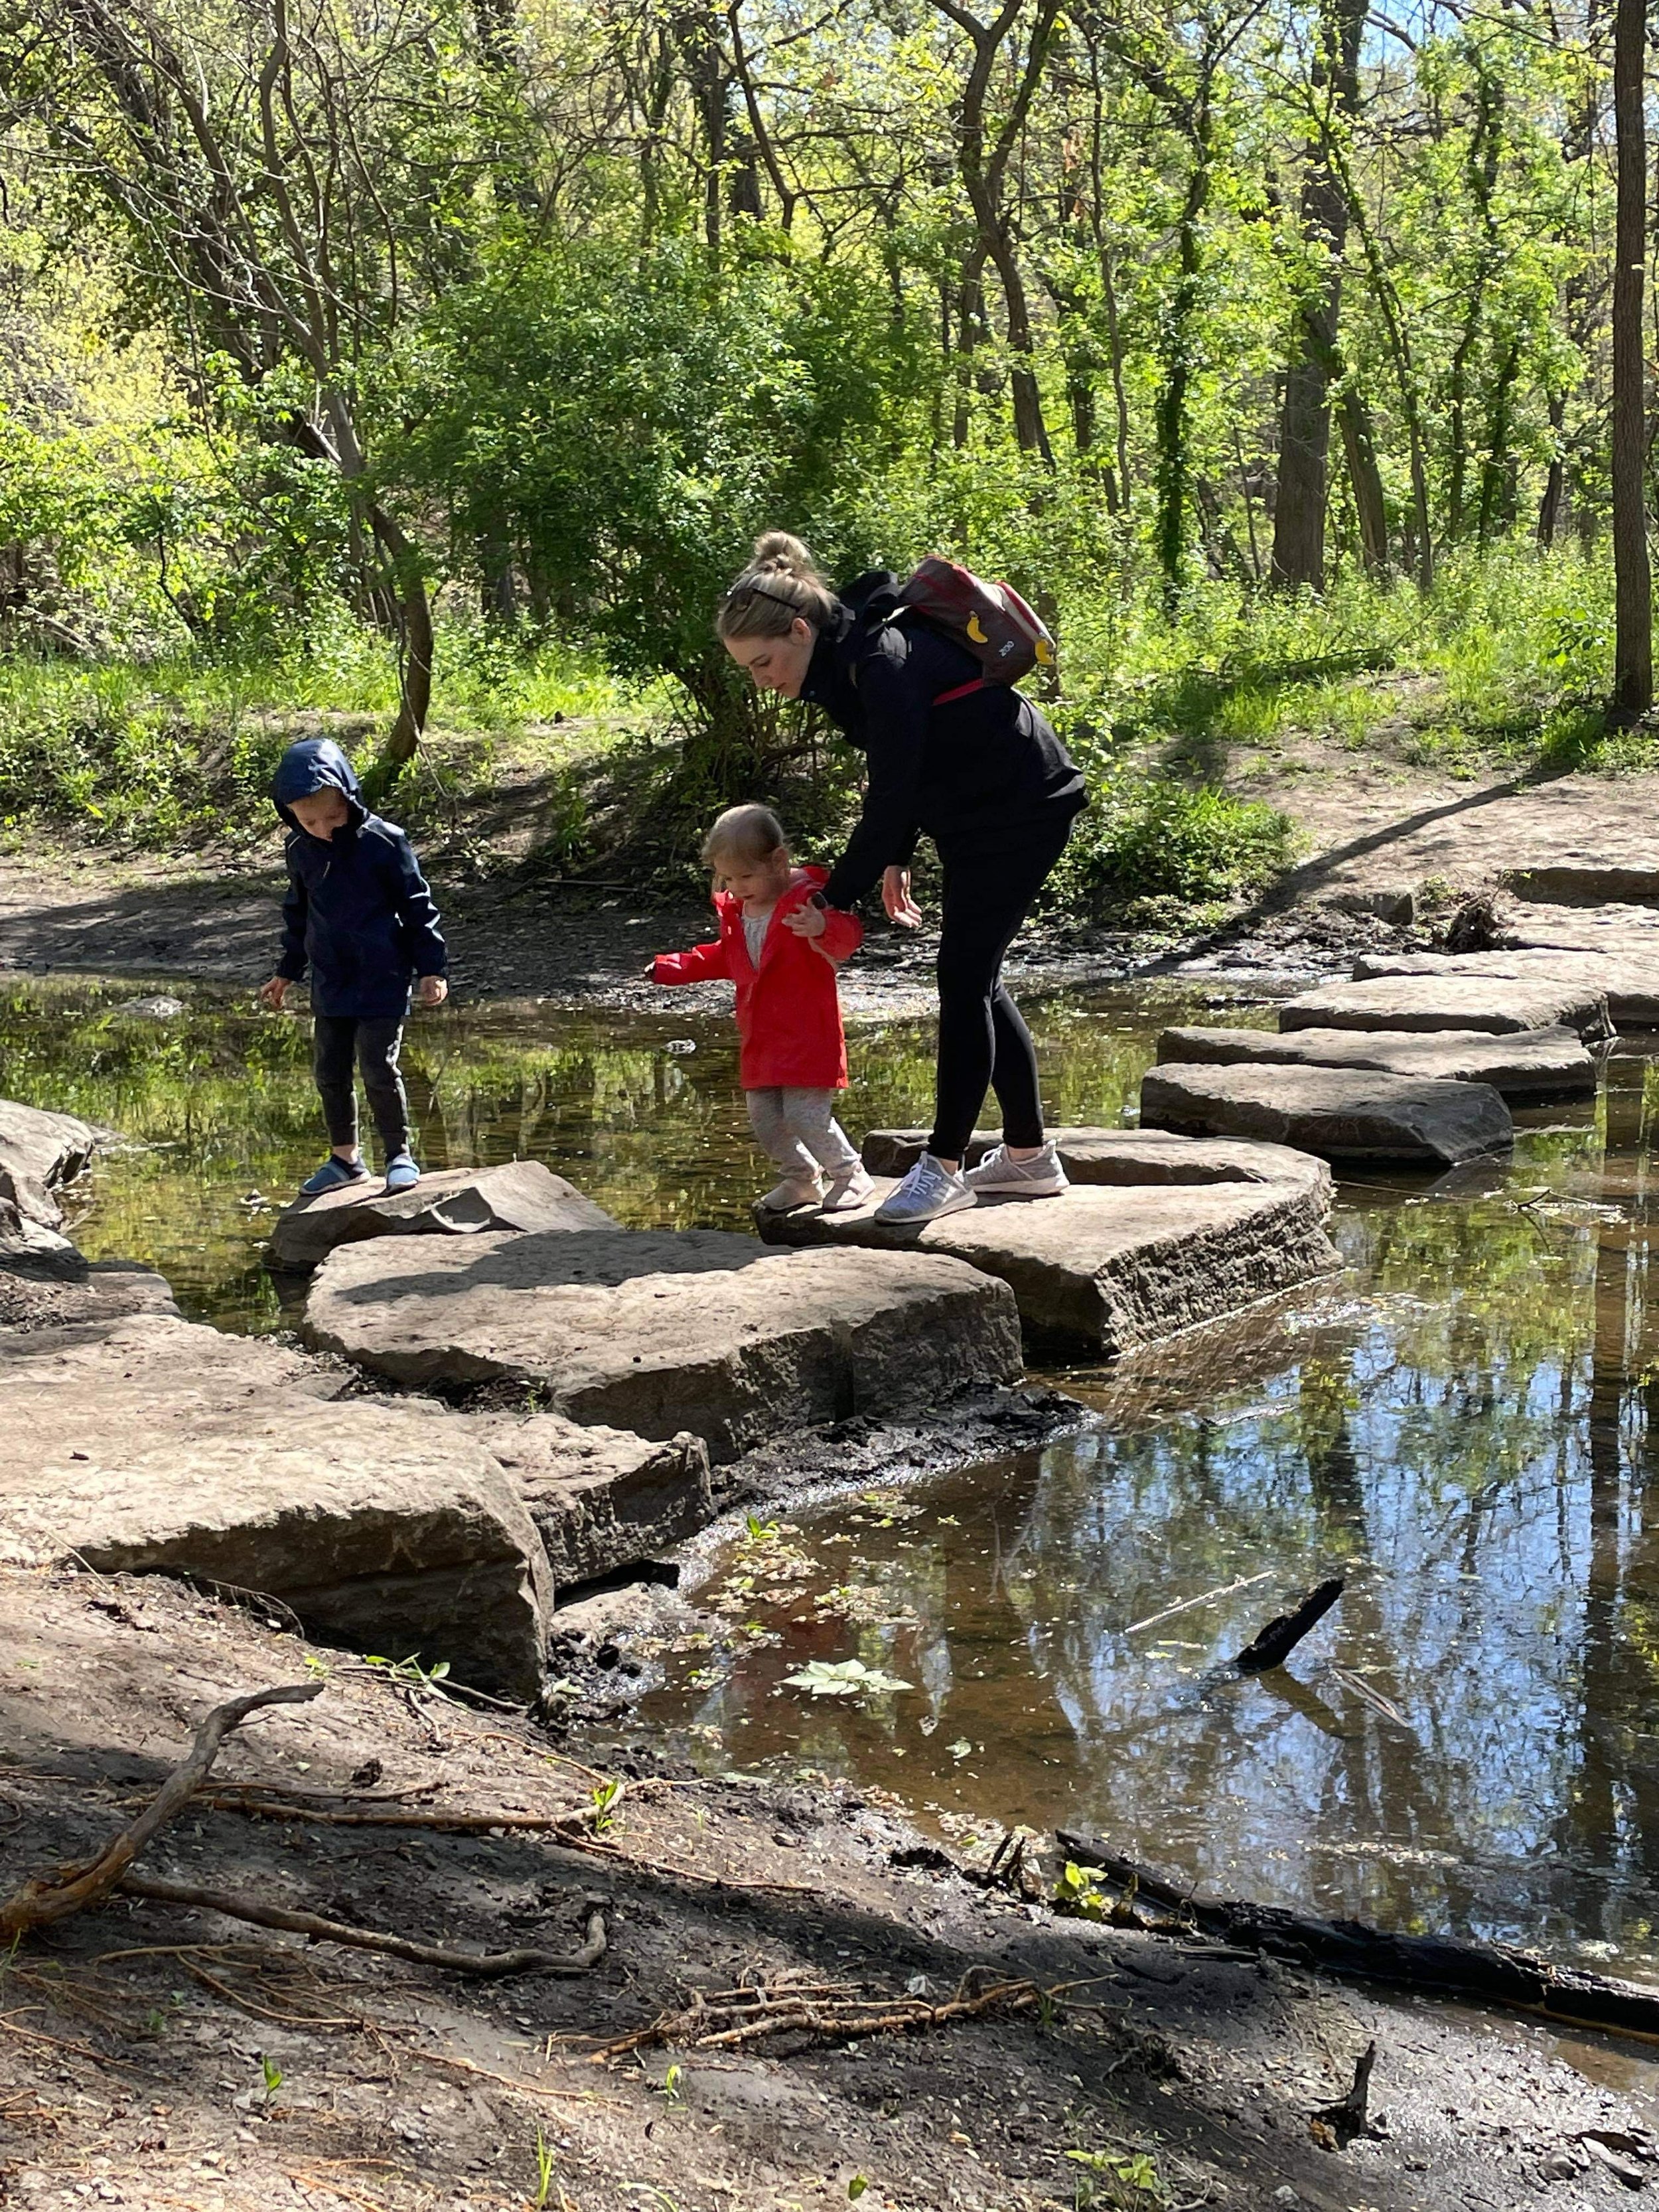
(794, 1190)
(333, 1175)
(401, 1173)
(929, 1190)
(849, 1189)
(1041, 1176)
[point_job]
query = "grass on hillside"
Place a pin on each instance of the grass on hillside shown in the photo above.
(1505, 662)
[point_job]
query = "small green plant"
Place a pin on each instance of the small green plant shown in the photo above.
(603, 1799)
(544, 2171)
(1078, 1892)
(760, 1532)
(1117, 2178)
(273, 2076)
(843, 1678)
(670, 2086)
(409, 1673)
(856, 2187)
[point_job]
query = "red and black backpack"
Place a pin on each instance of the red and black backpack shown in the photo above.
(989, 621)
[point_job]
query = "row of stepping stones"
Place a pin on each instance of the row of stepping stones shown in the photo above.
(1418, 1058)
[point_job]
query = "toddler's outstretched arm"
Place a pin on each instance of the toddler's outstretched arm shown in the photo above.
(702, 964)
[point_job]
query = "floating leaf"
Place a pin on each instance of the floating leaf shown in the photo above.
(960, 1748)
(844, 1678)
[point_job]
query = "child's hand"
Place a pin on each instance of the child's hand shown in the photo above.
(273, 993)
(431, 991)
(805, 921)
(896, 897)
(648, 973)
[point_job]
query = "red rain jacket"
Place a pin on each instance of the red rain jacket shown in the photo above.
(788, 1008)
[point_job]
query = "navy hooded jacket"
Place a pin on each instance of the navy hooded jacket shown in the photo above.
(358, 910)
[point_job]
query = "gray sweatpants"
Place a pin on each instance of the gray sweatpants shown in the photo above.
(799, 1130)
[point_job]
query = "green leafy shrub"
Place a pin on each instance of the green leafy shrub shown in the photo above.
(1157, 839)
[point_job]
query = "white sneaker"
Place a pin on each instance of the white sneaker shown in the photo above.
(929, 1190)
(1041, 1176)
(794, 1190)
(849, 1189)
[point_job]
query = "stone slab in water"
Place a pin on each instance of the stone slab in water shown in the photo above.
(1496, 1004)
(1629, 980)
(519, 1194)
(602, 1500)
(1527, 1064)
(60, 1290)
(656, 1331)
(1115, 1156)
(1109, 1268)
(1343, 1114)
(40, 1152)
(154, 1444)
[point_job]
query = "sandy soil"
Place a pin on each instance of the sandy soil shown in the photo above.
(154, 2055)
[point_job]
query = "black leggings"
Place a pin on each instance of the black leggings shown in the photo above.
(982, 1042)
(336, 1041)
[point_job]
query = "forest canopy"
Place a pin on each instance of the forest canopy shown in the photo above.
(320, 314)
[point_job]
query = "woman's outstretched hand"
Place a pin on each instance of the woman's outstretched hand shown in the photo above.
(896, 897)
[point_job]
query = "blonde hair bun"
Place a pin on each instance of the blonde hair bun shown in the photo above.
(776, 550)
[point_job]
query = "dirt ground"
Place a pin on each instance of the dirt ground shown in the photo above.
(1366, 822)
(157, 2055)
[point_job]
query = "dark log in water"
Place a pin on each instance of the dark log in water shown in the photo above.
(1275, 1642)
(1447, 1966)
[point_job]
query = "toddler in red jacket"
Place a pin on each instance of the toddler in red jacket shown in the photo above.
(781, 950)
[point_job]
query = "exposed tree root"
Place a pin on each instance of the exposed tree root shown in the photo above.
(486, 1965)
(732, 2018)
(44, 1899)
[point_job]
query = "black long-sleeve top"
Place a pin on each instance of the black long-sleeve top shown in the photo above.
(965, 774)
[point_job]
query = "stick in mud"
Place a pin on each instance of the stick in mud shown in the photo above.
(1453, 1966)
(1275, 1642)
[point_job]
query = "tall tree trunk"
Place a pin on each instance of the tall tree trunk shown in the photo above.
(1632, 679)
(1173, 420)
(1304, 431)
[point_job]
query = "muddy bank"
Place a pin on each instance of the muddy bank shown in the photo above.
(153, 2054)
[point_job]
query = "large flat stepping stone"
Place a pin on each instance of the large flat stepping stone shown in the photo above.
(1632, 930)
(602, 1500)
(1527, 1064)
(1583, 884)
(1499, 1004)
(520, 1194)
(1115, 1155)
(1343, 1114)
(1628, 981)
(64, 1291)
(1107, 1267)
(156, 1444)
(656, 1331)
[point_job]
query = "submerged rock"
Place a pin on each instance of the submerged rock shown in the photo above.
(520, 1194)
(658, 1332)
(1343, 1114)
(154, 1444)
(1496, 1004)
(158, 1007)
(1526, 1064)
(1109, 1266)
(602, 1500)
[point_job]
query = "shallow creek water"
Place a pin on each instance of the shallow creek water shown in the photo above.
(1463, 1425)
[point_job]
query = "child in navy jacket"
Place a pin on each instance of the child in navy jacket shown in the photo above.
(358, 913)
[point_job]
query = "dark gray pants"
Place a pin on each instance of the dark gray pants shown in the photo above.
(336, 1041)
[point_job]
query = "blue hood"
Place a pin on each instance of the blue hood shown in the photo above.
(315, 764)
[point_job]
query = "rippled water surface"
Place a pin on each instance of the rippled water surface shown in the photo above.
(1462, 1424)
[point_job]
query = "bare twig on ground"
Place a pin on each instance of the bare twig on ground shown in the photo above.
(44, 1899)
(487, 1964)
(750, 2016)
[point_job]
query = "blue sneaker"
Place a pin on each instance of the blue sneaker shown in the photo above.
(929, 1190)
(401, 1173)
(333, 1175)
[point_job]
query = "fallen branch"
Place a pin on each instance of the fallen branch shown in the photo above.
(1204, 1597)
(1276, 1642)
(725, 2026)
(44, 1899)
(1483, 1973)
(487, 1964)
